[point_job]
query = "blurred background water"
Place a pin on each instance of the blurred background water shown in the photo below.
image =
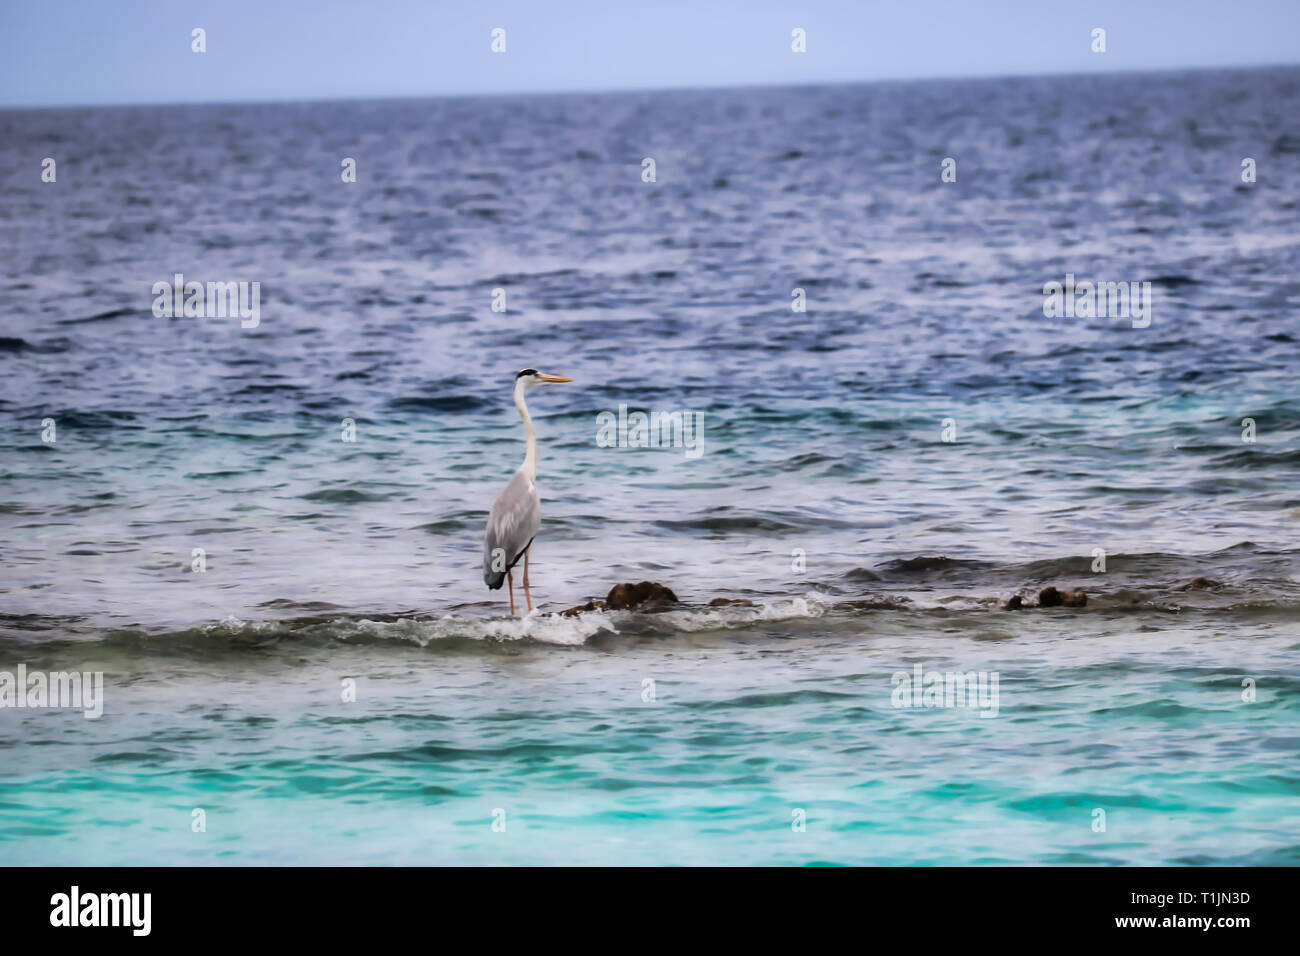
(328, 560)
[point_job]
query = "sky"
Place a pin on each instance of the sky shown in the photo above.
(101, 52)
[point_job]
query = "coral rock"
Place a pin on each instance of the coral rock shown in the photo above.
(647, 594)
(583, 608)
(1050, 597)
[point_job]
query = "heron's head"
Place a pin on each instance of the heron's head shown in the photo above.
(530, 377)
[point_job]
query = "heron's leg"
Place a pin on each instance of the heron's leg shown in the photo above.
(527, 594)
(510, 579)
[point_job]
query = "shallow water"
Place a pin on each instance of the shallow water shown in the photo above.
(328, 560)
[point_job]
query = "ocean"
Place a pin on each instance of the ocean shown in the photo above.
(263, 529)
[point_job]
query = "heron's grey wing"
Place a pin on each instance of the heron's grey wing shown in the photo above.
(516, 516)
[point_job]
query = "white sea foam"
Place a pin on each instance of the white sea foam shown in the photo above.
(544, 628)
(233, 625)
(812, 604)
(577, 630)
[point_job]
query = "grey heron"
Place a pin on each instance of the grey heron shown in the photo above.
(517, 512)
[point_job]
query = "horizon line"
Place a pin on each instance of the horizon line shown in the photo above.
(872, 81)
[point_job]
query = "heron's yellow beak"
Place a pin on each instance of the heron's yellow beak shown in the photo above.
(552, 379)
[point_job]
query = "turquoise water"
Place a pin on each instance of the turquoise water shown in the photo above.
(826, 496)
(1144, 721)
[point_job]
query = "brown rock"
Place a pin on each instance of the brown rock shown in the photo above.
(1201, 584)
(1017, 603)
(1050, 597)
(647, 594)
(582, 608)
(878, 604)
(728, 602)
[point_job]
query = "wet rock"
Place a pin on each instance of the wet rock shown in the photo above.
(583, 608)
(1201, 584)
(647, 595)
(878, 604)
(1017, 603)
(731, 602)
(1051, 597)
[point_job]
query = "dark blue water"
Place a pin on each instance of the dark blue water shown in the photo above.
(824, 491)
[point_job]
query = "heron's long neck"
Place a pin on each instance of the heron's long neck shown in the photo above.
(530, 459)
